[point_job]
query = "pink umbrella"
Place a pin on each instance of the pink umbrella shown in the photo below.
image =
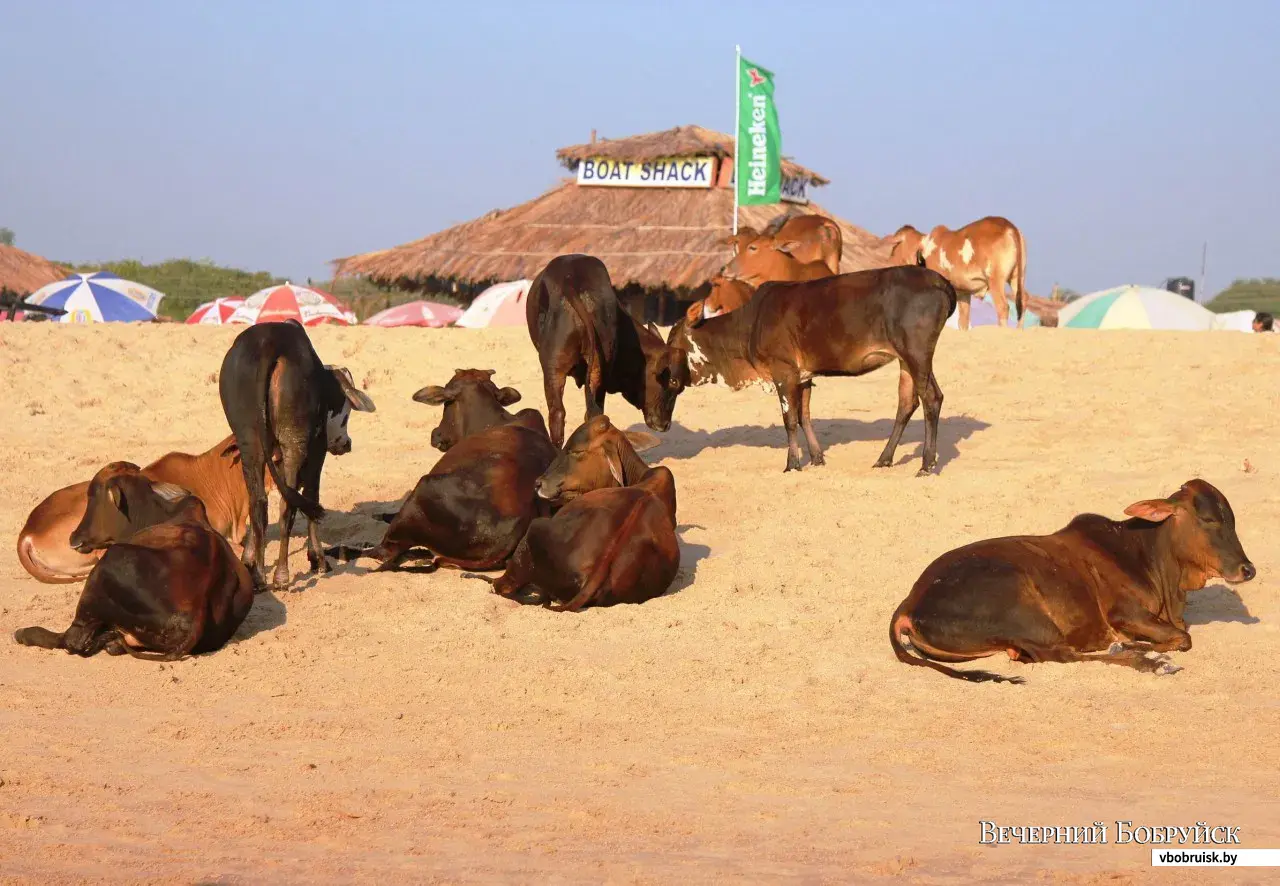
(416, 313)
(217, 312)
(306, 304)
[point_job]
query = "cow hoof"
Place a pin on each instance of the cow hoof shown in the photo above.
(883, 463)
(1155, 656)
(817, 462)
(1167, 668)
(790, 467)
(925, 472)
(1115, 648)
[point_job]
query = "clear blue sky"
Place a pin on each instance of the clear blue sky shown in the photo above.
(280, 135)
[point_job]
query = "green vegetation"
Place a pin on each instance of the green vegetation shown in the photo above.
(187, 284)
(6, 236)
(1261, 294)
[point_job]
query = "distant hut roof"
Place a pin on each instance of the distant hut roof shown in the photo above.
(24, 273)
(683, 141)
(653, 237)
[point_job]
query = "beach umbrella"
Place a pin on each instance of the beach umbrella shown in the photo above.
(100, 297)
(1135, 307)
(416, 313)
(306, 304)
(217, 312)
(500, 305)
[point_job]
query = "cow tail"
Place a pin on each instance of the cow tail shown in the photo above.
(267, 435)
(900, 629)
(595, 371)
(30, 560)
(1020, 280)
(952, 298)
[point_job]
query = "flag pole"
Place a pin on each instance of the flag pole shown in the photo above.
(737, 123)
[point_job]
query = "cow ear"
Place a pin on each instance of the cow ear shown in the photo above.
(693, 315)
(169, 491)
(432, 395)
(642, 441)
(653, 327)
(119, 498)
(615, 463)
(507, 396)
(1155, 510)
(788, 247)
(359, 400)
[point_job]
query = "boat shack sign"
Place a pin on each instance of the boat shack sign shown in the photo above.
(665, 172)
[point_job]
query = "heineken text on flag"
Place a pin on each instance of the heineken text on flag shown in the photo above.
(758, 162)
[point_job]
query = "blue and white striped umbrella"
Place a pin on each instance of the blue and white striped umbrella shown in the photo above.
(100, 297)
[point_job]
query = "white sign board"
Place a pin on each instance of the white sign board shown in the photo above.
(665, 172)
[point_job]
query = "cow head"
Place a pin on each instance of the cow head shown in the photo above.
(121, 502)
(666, 374)
(726, 295)
(1202, 534)
(343, 397)
(904, 245)
(737, 242)
(596, 456)
(471, 401)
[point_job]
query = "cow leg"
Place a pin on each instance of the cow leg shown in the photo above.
(1135, 622)
(516, 583)
(931, 399)
(290, 468)
(311, 489)
(962, 309)
(810, 438)
(789, 397)
(1001, 301)
(255, 541)
(908, 399)
(553, 389)
(595, 400)
(1147, 663)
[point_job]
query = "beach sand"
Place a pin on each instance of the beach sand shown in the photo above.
(751, 725)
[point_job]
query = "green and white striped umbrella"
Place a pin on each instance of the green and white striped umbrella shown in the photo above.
(1135, 307)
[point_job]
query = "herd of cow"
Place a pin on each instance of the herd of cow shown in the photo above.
(586, 522)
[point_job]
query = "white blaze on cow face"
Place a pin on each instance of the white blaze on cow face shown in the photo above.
(335, 429)
(966, 251)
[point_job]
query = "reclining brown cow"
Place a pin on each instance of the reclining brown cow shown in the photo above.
(475, 504)
(613, 539)
(1096, 590)
(167, 585)
(214, 476)
(809, 238)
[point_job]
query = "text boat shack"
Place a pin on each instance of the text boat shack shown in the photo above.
(654, 208)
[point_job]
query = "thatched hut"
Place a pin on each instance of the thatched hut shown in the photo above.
(653, 207)
(22, 273)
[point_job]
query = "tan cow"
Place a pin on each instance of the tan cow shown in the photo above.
(215, 477)
(726, 295)
(983, 256)
(809, 238)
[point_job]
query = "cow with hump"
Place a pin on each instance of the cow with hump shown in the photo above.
(1095, 590)
(787, 334)
(213, 476)
(475, 504)
(582, 332)
(612, 539)
(279, 396)
(809, 239)
(167, 585)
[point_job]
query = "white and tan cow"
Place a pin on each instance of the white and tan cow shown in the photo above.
(983, 256)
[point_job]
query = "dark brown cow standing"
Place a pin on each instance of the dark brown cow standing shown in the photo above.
(582, 332)
(168, 584)
(613, 539)
(473, 507)
(1096, 590)
(787, 334)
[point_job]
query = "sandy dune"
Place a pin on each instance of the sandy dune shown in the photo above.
(752, 725)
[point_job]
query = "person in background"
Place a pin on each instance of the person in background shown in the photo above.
(1263, 322)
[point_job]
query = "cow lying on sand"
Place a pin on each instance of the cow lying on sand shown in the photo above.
(807, 238)
(475, 504)
(167, 585)
(613, 539)
(213, 476)
(1096, 590)
(582, 332)
(788, 334)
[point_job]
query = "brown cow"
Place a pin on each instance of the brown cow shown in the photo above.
(763, 260)
(1096, 590)
(810, 238)
(167, 585)
(613, 540)
(213, 476)
(475, 504)
(983, 256)
(582, 332)
(726, 295)
(790, 333)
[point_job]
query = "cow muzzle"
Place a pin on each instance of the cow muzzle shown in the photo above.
(1246, 572)
(340, 447)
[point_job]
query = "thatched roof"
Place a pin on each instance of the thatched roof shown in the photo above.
(24, 273)
(683, 141)
(659, 238)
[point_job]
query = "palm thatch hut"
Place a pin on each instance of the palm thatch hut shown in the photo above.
(22, 273)
(654, 208)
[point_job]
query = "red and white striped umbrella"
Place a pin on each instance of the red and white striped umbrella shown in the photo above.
(306, 304)
(416, 313)
(217, 312)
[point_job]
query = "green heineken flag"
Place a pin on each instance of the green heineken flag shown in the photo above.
(758, 164)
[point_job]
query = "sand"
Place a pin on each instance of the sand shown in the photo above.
(752, 725)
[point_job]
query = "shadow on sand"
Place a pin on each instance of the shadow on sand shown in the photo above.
(266, 614)
(1217, 603)
(681, 442)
